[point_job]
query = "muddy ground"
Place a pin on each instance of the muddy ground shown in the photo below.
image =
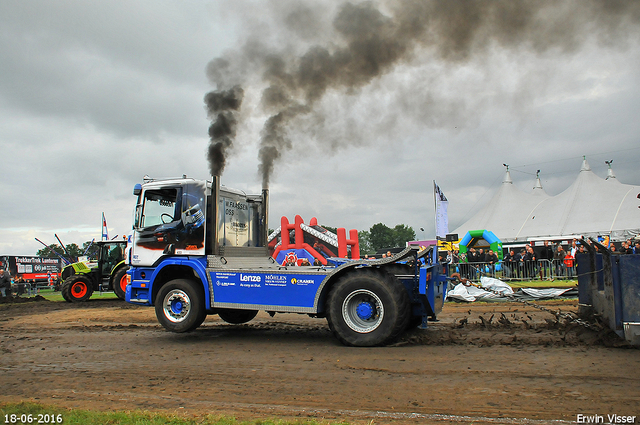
(481, 363)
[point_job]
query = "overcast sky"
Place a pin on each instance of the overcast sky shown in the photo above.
(94, 95)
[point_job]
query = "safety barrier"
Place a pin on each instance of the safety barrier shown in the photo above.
(517, 270)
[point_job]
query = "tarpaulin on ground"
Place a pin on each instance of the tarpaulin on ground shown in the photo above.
(471, 293)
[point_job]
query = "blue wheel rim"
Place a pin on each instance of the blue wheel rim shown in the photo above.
(363, 311)
(176, 305)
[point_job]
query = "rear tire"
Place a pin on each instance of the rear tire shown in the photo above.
(63, 293)
(180, 306)
(77, 288)
(120, 282)
(367, 308)
(236, 317)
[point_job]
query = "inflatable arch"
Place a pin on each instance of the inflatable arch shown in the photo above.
(475, 237)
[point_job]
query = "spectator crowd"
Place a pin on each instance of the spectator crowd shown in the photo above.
(549, 261)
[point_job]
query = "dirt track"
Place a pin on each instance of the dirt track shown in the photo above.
(517, 367)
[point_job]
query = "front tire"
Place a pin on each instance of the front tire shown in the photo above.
(180, 306)
(367, 308)
(236, 317)
(120, 282)
(77, 288)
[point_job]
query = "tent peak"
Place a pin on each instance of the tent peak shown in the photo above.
(538, 190)
(585, 164)
(610, 174)
(538, 184)
(507, 176)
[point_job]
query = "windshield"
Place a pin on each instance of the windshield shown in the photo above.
(159, 206)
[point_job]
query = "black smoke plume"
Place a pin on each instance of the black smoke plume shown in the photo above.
(221, 107)
(370, 39)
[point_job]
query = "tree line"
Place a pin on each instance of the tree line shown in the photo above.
(381, 237)
(88, 248)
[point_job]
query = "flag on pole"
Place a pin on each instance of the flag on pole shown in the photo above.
(105, 232)
(442, 217)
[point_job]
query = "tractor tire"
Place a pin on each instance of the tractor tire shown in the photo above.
(180, 306)
(120, 281)
(77, 288)
(63, 293)
(236, 317)
(366, 308)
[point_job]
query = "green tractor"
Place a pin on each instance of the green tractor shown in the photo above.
(80, 279)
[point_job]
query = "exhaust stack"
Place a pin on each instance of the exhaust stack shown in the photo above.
(265, 218)
(214, 222)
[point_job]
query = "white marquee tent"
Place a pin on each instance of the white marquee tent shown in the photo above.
(591, 206)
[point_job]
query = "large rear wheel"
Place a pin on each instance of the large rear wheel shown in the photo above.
(367, 308)
(180, 305)
(120, 282)
(77, 288)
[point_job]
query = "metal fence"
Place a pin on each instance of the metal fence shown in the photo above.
(512, 270)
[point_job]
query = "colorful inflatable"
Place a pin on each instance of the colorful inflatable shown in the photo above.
(481, 239)
(295, 242)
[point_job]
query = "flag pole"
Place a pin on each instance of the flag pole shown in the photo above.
(435, 210)
(105, 231)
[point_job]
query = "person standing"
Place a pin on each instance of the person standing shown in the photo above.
(629, 249)
(492, 259)
(545, 257)
(472, 259)
(529, 262)
(574, 248)
(510, 264)
(5, 284)
(558, 260)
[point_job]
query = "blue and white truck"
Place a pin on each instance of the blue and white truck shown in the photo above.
(199, 248)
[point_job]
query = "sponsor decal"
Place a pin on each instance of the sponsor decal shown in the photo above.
(298, 281)
(249, 278)
(275, 280)
(225, 279)
(237, 205)
(253, 281)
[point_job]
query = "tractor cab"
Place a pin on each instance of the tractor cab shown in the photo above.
(109, 255)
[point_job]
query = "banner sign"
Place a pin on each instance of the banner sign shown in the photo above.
(442, 215)
(31, 268)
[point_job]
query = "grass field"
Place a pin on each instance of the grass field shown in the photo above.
(543, 284)
(27, 412)
(52, 295)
